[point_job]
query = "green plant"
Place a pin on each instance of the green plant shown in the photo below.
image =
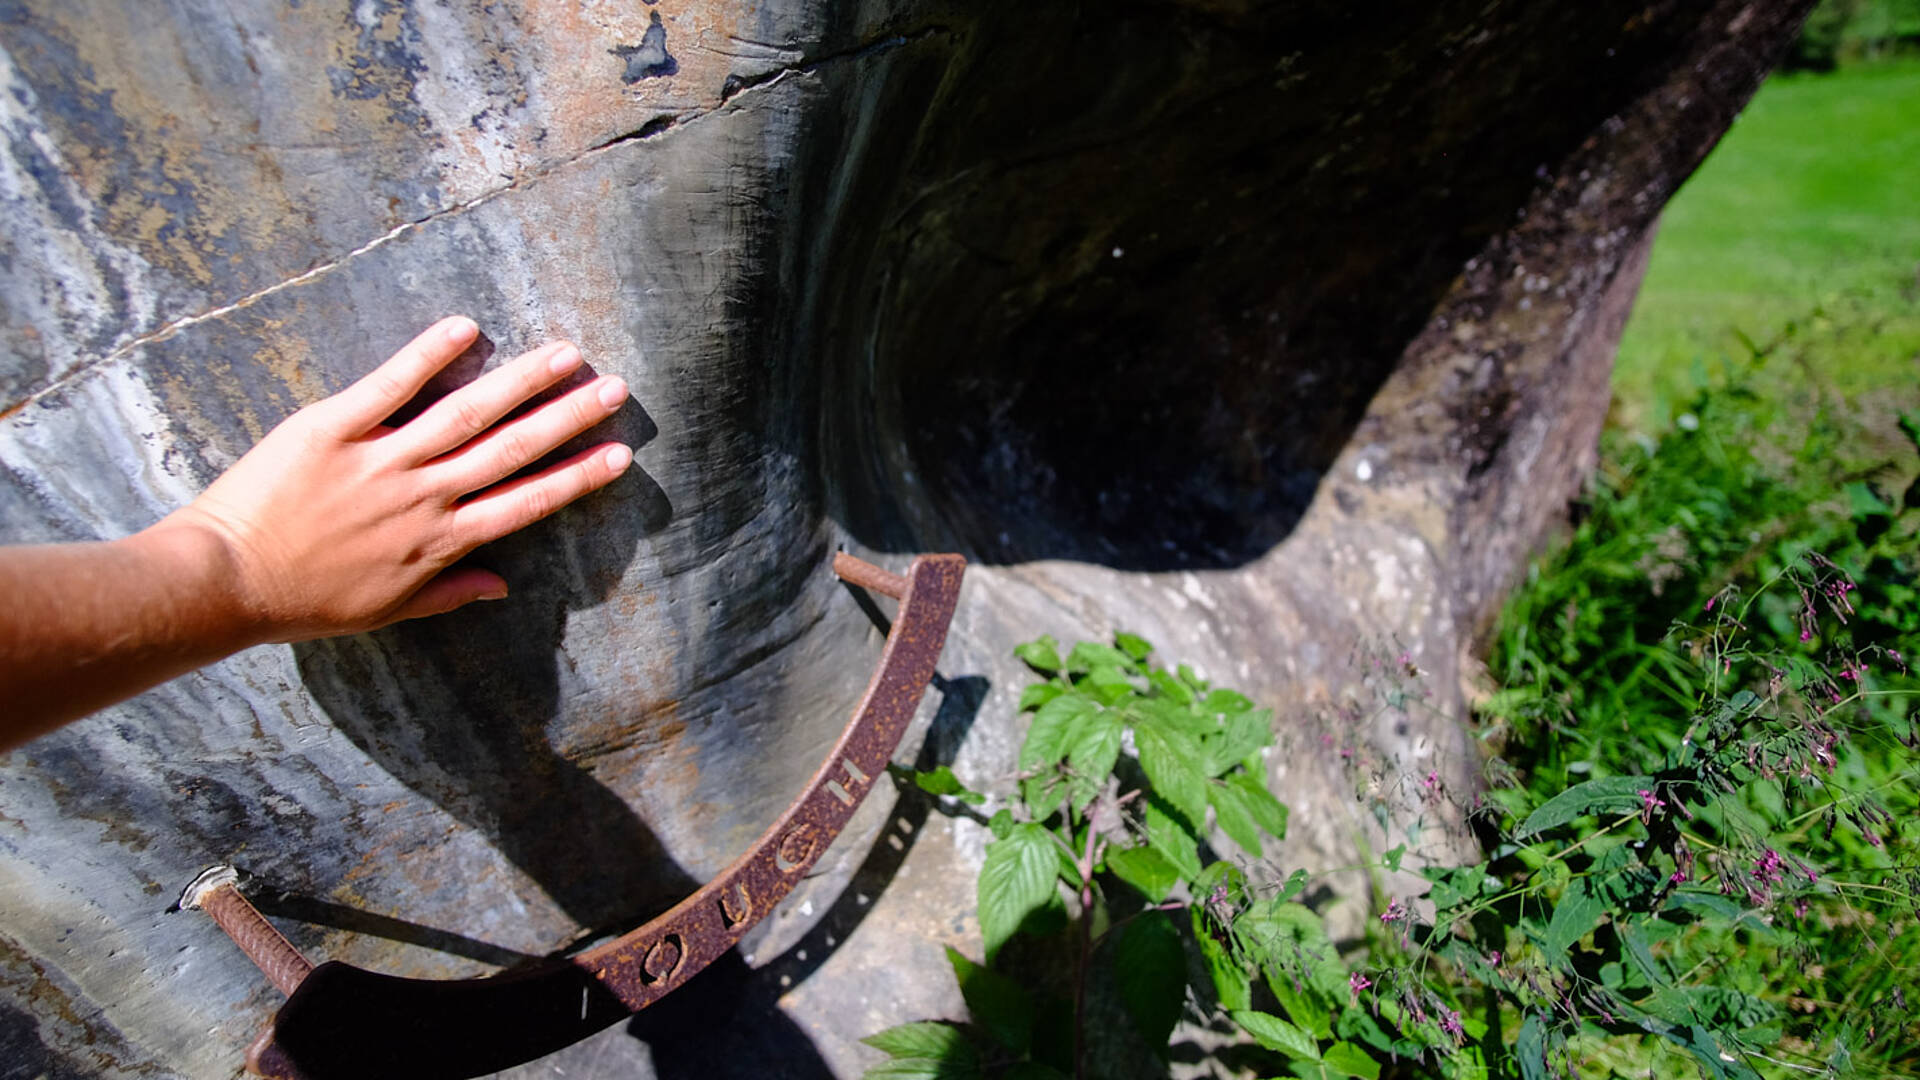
(1100, 844)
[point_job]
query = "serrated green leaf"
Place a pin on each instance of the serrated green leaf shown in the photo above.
(1347, 1059)
(1151, 968)
(922, 1069)
(941, 781)
(1039, 694)
(1108, 685)
(1016, 881)
(1244, 734)
(998, 1004)
(1001, 823)
(1183, 721)
(1391, 860)
(1041, 654)
(1574, 916)
(1611, 794)
(1170, 762)
(1277, 1035)
(1175, 690)
(1230, 982)
(1088, 655)
(1226, 701)
(1169, 834)
(925, 1039)
(1145, 869)
(1135, 646)
(1231, 813)
(1053, 730)
(1094, 749)
(1267, 812)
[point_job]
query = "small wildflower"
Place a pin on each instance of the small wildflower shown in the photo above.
(1766, 869)
(1649, 802)
(1450, 1023)
(1357, 982)
(1394, 913)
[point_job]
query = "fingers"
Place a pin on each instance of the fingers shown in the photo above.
(474, 408)
(450, 589)
(511, 447)
(359, 407)
(522, 502)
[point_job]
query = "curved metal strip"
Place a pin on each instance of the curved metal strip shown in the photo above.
(344, 1021)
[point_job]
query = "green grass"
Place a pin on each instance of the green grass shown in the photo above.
(1800, 235)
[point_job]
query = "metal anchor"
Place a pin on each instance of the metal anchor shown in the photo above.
(341, 1021)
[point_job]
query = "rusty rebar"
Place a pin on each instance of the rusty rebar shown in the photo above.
(868, 576)
(216, 891)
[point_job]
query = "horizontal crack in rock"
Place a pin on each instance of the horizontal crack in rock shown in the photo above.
(656, 126)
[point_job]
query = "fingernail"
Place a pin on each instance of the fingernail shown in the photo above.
(613, 392)
(564, 360)
(618, 458)
(499, 595)
(459, 328)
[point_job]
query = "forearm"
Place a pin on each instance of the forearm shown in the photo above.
(85, 625)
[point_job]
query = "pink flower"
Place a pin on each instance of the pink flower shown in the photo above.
(1394, 913)
(1357, 982)
(1450, 1022)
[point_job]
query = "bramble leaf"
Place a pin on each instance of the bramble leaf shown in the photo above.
(1169, 758)
(1144, 869)
(1151, 967)
(1088, 655)
(1245, 733)
(1053, 730)
(1611, 794)
(1346, 1059)
(1235, 819)
(1171, 836)
(1039, 694)
(1001, 823)
(925, 1039)
(998, 1004)
(1094, 747)
(1042, 654)
(1016, 881)
(1135, 646)
(1170, 687)
(923, 1069)
(941, 781)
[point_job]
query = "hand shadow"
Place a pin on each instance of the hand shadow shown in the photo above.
(457, 706)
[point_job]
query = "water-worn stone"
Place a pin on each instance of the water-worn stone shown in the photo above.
(1277, 333)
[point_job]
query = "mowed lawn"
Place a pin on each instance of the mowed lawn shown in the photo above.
(1799, 236)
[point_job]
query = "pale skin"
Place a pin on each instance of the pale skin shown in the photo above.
(333, 524)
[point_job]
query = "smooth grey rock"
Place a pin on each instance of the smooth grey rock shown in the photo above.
(1276, 333)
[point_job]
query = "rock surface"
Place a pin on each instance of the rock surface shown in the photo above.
(1278, 333)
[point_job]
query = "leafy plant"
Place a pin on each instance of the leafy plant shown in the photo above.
(1099, 848)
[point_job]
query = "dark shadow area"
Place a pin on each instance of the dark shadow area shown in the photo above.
(1124, 279)
(273, 898)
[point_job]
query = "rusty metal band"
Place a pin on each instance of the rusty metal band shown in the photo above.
(344, 1021)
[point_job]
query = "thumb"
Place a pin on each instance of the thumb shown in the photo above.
(451, 589)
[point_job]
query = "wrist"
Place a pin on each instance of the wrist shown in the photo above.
(203, 564)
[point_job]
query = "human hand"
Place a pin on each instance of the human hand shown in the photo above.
(337, 523)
